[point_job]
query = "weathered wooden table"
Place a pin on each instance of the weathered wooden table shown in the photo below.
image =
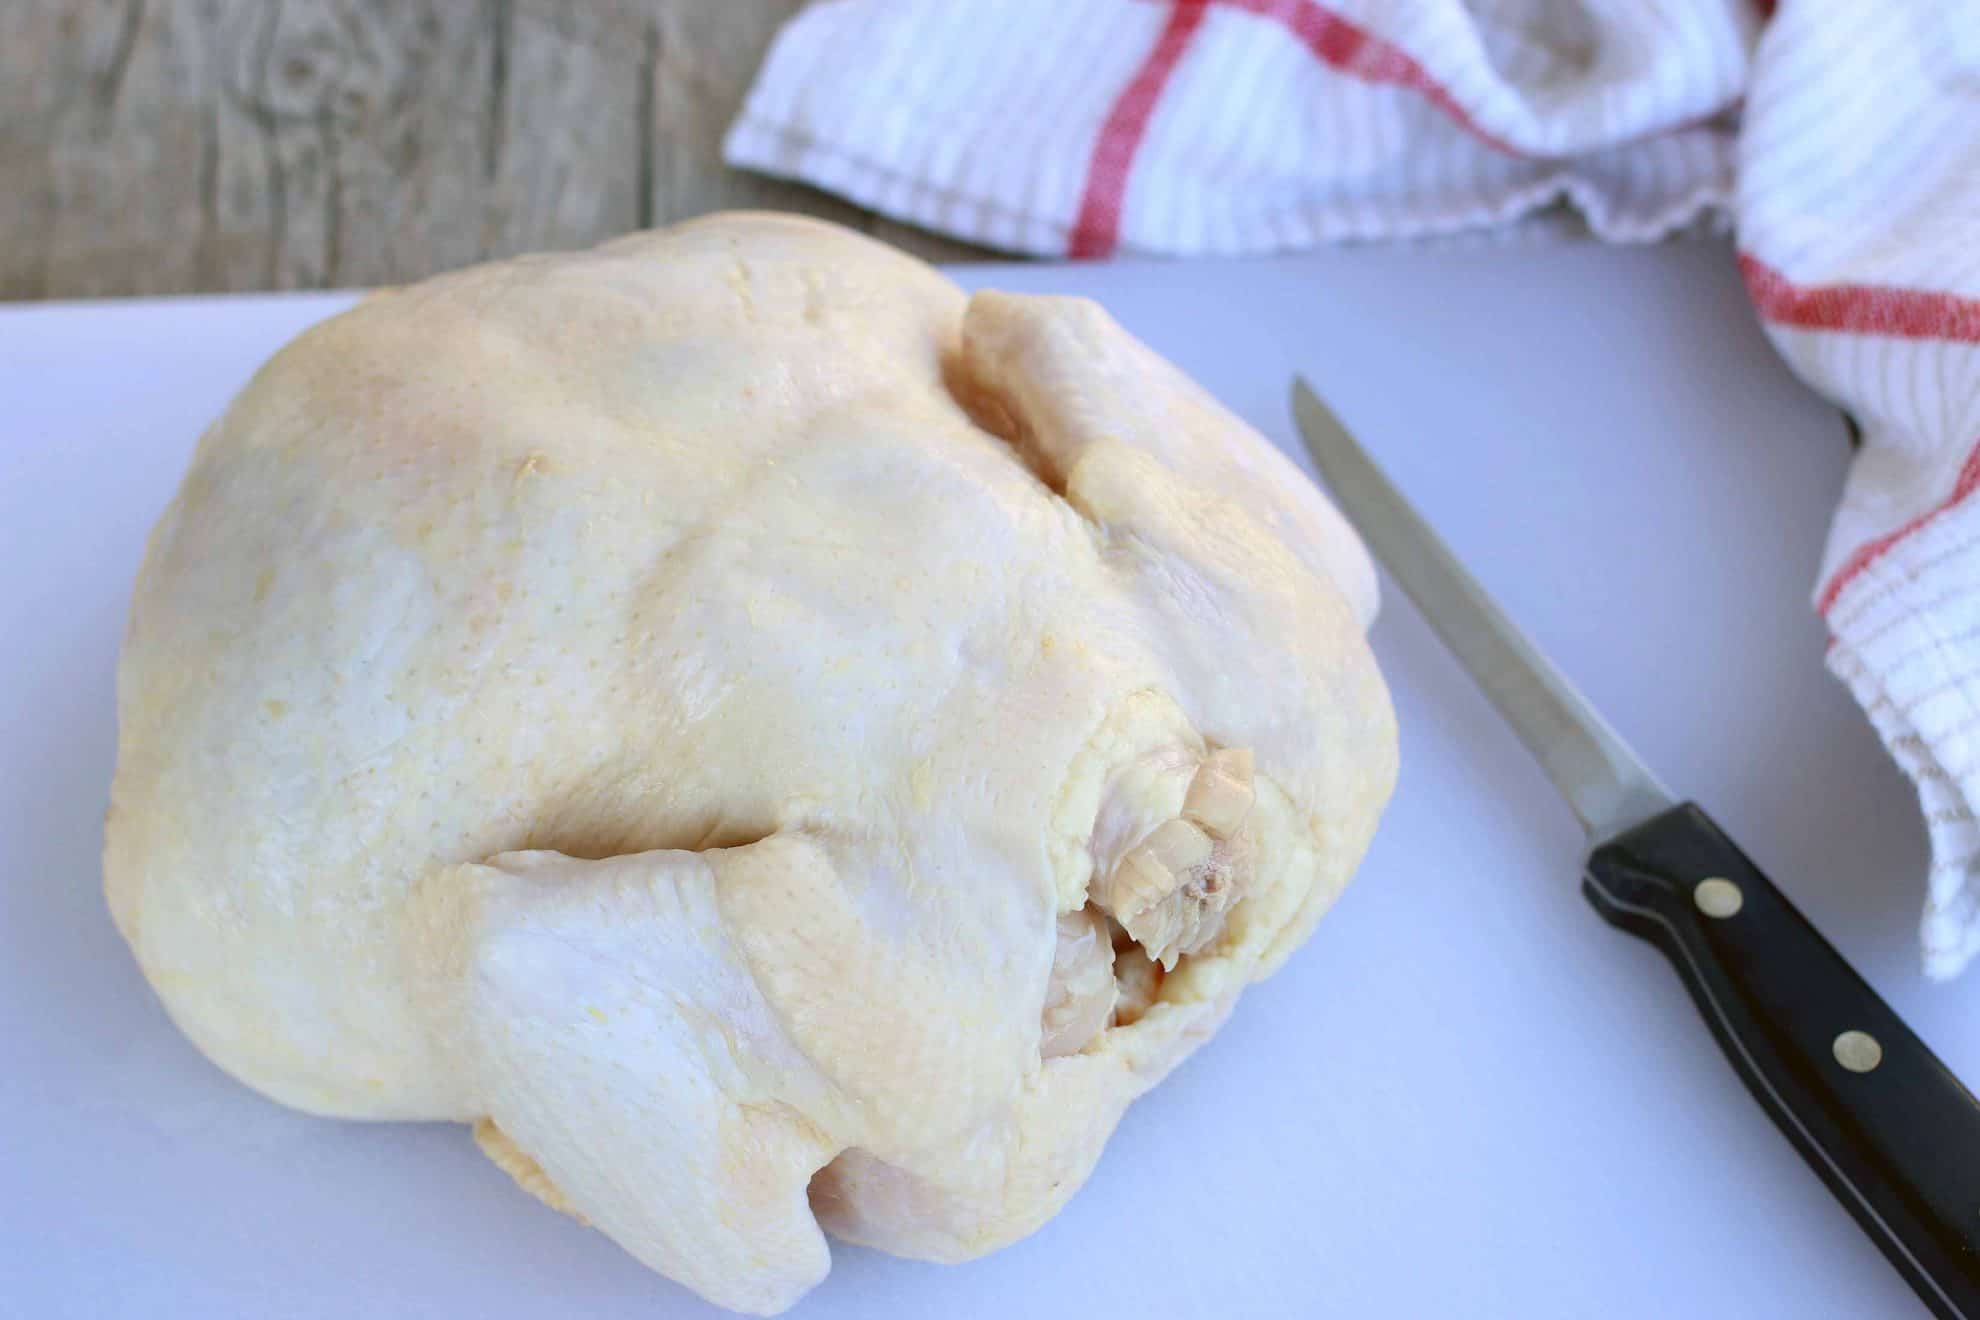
(172, 146)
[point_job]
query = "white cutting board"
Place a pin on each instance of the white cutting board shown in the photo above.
(1466, 1096)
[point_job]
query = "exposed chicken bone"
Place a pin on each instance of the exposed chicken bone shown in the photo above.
(1220, 796)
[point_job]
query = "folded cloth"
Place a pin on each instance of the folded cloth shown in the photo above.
(1841, 138)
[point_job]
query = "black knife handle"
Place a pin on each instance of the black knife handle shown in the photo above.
(1872, 1110)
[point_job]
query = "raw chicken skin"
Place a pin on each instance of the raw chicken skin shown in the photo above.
(771, 741)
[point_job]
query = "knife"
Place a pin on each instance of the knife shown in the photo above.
(1874, 1112)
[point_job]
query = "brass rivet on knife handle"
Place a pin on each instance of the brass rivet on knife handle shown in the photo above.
(1858, 1051)
(1718, 897)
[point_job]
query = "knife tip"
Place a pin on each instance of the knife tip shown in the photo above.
(1319, 425)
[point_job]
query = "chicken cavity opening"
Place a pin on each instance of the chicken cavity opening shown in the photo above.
(1165, 898)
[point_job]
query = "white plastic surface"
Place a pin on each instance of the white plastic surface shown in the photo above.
(1466, 1096)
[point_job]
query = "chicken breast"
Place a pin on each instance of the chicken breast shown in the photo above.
(775, 744)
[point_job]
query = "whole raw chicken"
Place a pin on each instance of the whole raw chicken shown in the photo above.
(772, 742)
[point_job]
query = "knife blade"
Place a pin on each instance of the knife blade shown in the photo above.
(1603, 781)
(1878, 1117)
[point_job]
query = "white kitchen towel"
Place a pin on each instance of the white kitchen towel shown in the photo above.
(1841, 138)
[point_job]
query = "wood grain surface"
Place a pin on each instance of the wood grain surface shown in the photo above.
(177, 146)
